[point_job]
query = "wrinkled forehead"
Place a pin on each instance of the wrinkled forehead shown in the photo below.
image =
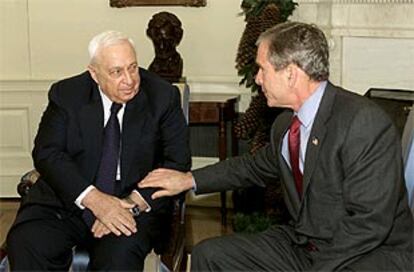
(119, 52)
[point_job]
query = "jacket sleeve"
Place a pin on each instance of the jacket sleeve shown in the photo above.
(175, 136)
(174, 141)
(50, 153)
(243, 171)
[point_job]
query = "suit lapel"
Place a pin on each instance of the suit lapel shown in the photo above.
(132, 131)
(91, 121)
(316, 138)
(317, 134)
(91, 125)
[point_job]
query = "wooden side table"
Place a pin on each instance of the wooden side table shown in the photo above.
(216, 109)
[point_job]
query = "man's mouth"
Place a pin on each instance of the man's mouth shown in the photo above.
(127, 91)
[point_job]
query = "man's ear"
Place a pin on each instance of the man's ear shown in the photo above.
(292, 74)
(92, 71)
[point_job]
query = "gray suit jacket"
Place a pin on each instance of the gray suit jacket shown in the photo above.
(354, 198)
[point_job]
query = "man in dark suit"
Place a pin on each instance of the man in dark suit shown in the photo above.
(339, 160)
(69, 205)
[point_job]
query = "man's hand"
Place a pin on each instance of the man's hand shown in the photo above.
(99, 230)
(111, 211)
(136, 199)
(170, 182)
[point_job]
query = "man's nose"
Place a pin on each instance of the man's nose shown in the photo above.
(128, 78)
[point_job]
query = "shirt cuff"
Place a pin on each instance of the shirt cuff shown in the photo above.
(194, 188)
(148, 209)
(79, 199)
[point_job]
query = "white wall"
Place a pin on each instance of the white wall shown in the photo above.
(47, 39)
(14, 40)
(371, 41)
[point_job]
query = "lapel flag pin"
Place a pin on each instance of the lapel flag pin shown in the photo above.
(315, 141)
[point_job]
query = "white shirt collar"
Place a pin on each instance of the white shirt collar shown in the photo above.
(107, 103)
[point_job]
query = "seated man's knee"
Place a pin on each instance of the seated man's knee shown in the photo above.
(118, 254)
(27, 248)
(23, 250)
(18, 241)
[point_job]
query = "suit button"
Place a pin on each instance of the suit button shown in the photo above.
(311, 247)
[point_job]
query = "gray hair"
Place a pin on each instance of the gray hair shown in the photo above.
(105, 39)
(301, 44)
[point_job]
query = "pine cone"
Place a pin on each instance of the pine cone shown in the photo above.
(246, 52)
(252, 119)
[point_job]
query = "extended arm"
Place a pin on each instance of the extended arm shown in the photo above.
(234, 173)
(174, 143)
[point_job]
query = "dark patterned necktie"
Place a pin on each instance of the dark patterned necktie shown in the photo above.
(294, 147)
(106, 176)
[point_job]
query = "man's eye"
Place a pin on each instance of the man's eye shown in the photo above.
(133, 68)
(116, 72)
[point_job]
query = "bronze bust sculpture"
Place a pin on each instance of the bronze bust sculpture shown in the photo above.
(164, 29)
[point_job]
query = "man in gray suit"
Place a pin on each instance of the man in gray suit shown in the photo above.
(338, 157)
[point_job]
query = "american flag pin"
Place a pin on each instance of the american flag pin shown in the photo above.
(315, 141)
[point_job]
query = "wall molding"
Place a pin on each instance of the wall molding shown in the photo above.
(381, 32)
(20, 114)
(22, 102)
(199, 84)
(25, 85)
(227, 85)
(372, 2)
(355, 2)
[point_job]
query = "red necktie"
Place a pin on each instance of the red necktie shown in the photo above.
(294, 146)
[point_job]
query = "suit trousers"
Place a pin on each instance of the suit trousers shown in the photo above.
(271, 250)
(47, 243)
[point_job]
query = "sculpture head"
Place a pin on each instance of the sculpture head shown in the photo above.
(164, 29)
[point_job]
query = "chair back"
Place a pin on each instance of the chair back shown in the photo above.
(398, 104)
(185, 97)
(408, 156)
(172, 250)
(395, 102)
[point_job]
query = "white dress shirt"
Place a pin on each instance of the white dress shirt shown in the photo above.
(306, 115)
(107, 103)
